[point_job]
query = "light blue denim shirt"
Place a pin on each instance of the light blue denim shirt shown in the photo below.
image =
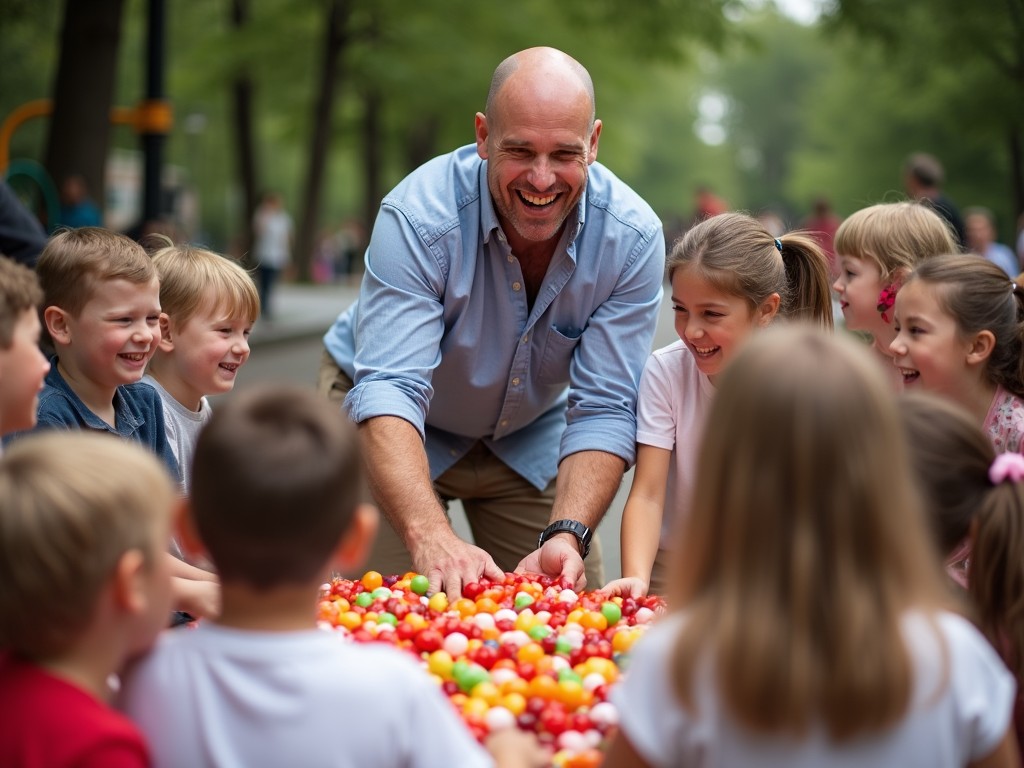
(443, 337)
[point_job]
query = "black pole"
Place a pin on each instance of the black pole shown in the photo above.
(152, 137)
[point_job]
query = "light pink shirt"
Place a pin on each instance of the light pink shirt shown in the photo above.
(1004, 423)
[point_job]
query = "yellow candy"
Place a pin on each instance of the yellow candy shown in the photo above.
(514, 703)
(438, 602)
(440, 663)
(486, 691)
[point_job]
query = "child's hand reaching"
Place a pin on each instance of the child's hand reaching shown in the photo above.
(197, 597)
(634, 587)
(513, 748)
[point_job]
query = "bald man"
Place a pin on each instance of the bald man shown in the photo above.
(509, 301)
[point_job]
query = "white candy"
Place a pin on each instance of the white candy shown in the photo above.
(499, 718)
(572, 741)
(593, 680)
(456, 644)
(503, 675)
(484, 620)
(604, 713)
(503, 614)
(644, 615)
(516, 637)
(568, 596)
(543, 617)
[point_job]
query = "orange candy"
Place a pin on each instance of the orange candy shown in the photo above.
(531, 653)
(371, 580)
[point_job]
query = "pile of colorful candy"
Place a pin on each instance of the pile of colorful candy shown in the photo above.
(525, 651)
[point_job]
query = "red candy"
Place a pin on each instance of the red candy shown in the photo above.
(525, 650)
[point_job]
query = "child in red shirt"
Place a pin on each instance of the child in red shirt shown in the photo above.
(84, 587)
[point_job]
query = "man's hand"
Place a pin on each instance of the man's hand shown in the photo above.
(560, 558)
(449, 562)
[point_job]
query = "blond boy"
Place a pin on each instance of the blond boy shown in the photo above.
(84, 587)
(209, 306)
(22, 365)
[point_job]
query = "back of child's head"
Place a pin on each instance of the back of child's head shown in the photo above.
(950, 456)
(980, 297)
(995, 578)
(71, 505)
(895, 236)
(805, 542)
(75, 261)
(193, 279)
(276, 479)
(736, 254)
(19, 292)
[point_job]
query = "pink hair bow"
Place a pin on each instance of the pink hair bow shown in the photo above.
(1007, 466)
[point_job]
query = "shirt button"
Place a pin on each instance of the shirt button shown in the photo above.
(516, 286)
(504, 422)
(453, 452)
(515, 382)
(526, 338)
(511, 258)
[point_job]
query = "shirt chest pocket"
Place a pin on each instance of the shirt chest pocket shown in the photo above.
(559, 346)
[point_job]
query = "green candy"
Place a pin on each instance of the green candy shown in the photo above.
(387, 618)
(539, 631)
(364, 599)
(419, 584)
(563, 647)
(568, 674)
(612, 612)
(522, 601)
(381, 593)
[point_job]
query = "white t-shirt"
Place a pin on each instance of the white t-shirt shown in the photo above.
(182, 426)
(672, 405)
(964, 722)
(214, 696)
(273, 230)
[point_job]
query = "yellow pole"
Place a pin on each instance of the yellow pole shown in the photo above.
(27, 111)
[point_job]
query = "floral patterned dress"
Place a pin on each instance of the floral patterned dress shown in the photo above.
(1004, 423)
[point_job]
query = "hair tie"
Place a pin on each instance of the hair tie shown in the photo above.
(1007, 466)
(778, 244)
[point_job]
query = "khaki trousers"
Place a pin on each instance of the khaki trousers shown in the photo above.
(505, 513)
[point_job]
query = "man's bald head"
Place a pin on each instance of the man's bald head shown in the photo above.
(540, 65)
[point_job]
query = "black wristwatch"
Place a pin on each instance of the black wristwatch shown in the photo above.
(575, 527)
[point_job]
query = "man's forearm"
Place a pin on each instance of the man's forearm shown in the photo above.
(587, 484)
(399, 477)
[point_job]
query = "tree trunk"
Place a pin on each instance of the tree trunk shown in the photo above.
(242, 98)
(1016, 174)
(83, 93)
(372, 151)
(335, 38)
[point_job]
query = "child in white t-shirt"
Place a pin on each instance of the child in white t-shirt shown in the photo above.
(209, 305)
(809, 624)
(729, 276)
(276, 505)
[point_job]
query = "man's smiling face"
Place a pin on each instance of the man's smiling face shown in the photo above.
(538, 143)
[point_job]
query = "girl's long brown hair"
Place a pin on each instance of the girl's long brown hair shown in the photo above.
(806, 545)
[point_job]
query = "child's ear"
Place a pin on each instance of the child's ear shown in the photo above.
(981, 347)
(350, 554)
(767, 311)
(56, 320)
(166, 340)
(129, 588)
(188, 534)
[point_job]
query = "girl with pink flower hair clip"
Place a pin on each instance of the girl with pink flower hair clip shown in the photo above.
(876, 248)
(974, 500)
